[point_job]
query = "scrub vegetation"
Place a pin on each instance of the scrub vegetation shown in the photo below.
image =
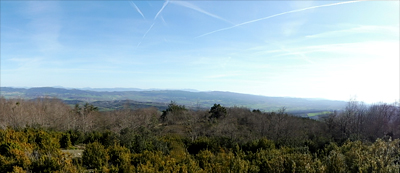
(47, 135)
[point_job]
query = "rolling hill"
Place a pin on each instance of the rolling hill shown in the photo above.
(160, 99)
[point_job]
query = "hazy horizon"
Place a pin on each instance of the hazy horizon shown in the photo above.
(352, 98)
(335, 50)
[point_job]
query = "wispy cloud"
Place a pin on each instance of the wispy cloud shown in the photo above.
(162, 8)
(358, 30)
(137, 9)
(301, 4)
(28, 63)
(13, 29)
(217, 76)
(45, 28)
(290, 28)
(275, 15)
(198, 9)
(368, 49)
(224, 75)
(301, 54)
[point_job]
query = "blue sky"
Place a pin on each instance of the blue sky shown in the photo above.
(314, 49)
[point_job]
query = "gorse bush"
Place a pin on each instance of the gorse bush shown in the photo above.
(18, 153)
(34, 150)
(65, 141)
(95, 156)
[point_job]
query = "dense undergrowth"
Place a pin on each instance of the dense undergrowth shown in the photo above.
(34, 137)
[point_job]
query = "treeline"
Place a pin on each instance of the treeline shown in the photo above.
(361, 138)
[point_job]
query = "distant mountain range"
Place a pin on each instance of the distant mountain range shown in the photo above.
(161, 98)
(118, 89)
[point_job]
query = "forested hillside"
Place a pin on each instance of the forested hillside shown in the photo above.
(158, 98)
(46, 135)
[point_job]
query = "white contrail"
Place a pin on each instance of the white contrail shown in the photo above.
(148, 30)
(162, 8)
(304, 57)
(162, 19)
(275, 15)
(138, 44)
(193, 7)
(137, 9)
(144, 35)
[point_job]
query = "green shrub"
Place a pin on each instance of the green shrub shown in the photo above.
(259, 144)
(95, 156)
(65, 141)
(120, 159)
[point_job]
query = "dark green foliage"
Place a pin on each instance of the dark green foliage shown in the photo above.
(47, 142)
(259, 144)
(76, 136)
(202, 143)
(5, 148)
(142, 140)
(173, 108)
(217, 111)
(65, 141)
(95, 156)
(107, 138)
(213, 144)
(91, 137)
(120, 158)
(87, 108)
(46, 164)
(77, 109)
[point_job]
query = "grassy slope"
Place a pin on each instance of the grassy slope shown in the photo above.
(318, 113)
